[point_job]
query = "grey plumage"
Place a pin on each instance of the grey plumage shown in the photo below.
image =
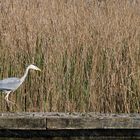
(9, 85)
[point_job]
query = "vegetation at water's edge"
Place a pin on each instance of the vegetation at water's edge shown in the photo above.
(88, 50)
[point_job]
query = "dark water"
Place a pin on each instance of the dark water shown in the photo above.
(73, 138)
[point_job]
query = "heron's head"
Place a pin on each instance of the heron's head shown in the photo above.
(34, 67)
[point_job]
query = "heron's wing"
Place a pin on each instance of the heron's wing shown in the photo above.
(9, 83)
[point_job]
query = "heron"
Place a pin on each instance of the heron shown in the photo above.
(9, 85)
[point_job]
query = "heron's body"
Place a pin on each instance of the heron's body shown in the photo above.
(9, 85)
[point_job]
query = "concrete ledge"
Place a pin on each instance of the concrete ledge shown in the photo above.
(52, 120)
(68, 124)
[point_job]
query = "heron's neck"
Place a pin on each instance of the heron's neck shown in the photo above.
(25, 74)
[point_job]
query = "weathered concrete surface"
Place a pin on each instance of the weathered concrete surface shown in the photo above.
(39, 124)
(22, 121)
(94, 121)
(58, 121)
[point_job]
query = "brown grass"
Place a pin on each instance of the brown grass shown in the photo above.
(88, 50)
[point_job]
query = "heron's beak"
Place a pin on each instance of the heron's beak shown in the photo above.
(38, 69)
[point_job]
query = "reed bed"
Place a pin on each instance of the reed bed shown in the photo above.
(88, 50)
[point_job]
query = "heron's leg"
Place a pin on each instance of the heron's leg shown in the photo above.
(6, 97)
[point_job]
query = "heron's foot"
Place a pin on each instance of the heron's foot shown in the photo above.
(10, 102)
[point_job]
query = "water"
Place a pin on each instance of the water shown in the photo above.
(74, 138)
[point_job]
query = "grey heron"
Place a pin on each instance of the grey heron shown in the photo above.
(9, 85)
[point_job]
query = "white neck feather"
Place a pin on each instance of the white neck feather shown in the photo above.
(25, 74)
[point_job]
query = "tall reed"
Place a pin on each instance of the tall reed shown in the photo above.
(88, 50)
